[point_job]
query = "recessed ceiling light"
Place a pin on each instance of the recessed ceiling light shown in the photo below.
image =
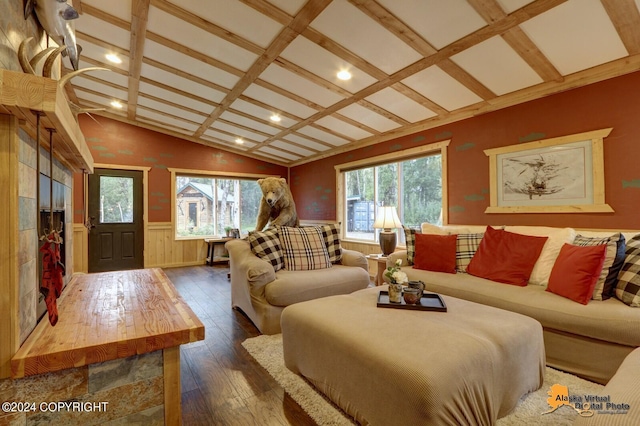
(116, 104)
(275, 117)
(239, 141)
(112, 57)
(344, 75)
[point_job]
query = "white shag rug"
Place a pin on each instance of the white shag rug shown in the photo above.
(267, 351)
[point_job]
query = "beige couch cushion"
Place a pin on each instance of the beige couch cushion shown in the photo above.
(609, 320)
(292, 287)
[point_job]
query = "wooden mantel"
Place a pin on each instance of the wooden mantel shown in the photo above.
(107, 316)
(22, 95)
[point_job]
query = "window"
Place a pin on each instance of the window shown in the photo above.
(116, 199)
(412, 180)
(207, 206)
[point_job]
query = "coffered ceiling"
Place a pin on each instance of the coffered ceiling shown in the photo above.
(216, 72)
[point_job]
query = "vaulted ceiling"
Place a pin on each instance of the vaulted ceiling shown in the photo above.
(216, 72)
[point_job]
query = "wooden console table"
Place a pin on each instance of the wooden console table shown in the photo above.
(211, 249)
(113, 315)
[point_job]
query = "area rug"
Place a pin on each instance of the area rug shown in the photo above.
(267, 351)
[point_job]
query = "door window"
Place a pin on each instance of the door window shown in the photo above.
(116, 199)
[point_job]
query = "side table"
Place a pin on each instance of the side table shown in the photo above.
(382, 265)
(211, 245)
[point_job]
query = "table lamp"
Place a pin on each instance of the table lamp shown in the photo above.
(387, 220)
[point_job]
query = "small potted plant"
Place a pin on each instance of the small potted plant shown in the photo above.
(395, 277)
(227, 230)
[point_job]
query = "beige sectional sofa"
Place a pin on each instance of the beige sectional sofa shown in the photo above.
(587, 340)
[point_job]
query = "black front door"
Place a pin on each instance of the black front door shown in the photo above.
(116, 213)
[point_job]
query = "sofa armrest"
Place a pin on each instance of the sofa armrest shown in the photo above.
(393, 257)
(354, 258)
(247, 266)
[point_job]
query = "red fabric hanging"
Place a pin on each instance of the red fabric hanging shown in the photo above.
(52, 271)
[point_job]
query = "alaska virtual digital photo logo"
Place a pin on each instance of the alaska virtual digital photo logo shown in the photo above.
(585, 405)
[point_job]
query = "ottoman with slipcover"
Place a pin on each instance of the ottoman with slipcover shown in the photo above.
(469, 365)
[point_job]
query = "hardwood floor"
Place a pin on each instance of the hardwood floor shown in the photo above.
(221, 382)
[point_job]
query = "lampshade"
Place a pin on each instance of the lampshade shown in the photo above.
(387, 218)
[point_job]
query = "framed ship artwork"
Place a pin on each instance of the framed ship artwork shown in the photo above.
(558, 175)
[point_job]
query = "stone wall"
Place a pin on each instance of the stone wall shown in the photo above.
(119, 392)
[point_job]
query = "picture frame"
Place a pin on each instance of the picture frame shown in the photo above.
(556, 175)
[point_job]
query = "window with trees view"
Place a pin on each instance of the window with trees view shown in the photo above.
(208, 207)
(414, 186)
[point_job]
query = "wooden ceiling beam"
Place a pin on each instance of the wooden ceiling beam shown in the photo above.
(185, 75)
(626, 19)
(304, 17)
(139, 14)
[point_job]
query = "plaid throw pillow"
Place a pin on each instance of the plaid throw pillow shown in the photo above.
(613, 261)
(304, 249)
(266, 245)
(466, 247)
(331, 235)
(628, 288)
(410, 237)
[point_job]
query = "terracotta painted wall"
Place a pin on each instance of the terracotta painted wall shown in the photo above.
(114, 142)
(612, 103)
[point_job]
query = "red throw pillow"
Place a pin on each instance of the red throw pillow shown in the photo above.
(506, 257)
(575, 273)
(435, 253)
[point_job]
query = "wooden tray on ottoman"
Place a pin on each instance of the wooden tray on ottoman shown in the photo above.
(428, 302)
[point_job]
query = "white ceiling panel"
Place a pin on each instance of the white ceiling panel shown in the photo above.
(325, 64)
(343, 127)
(103, 30)
(228, 138)
(120, 9)
(176, 129)
(238, 131)
(292, 148)
(290, 6)
(104, 89)
(513, 74)
(370, 41)
(576, 35)
(278, 153)
(442, 89)
(510, 6)
(199, 40)
(369, 118)
(169, 109)
(244, 121)
(104, 77)
(322, 135)
(293, 137)
(102, 101)
(98, 53)
(279, 101)
(158, 92)
(171, 121)
(400, 105)
(257, 111)
(188, 64)
(439, 22)
(292, 82)
(188, 86)
(235, 17)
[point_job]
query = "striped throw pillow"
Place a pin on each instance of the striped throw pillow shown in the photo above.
(304, 249)
(613, 261)
(331, 235)
(466, 247)
(628, 287)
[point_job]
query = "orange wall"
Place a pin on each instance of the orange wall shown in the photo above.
(612, 103)
(114, 142)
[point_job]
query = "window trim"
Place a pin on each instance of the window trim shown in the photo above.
(214, 174)
(392, 157)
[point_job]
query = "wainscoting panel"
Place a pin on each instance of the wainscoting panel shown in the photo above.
(80, 248)
(162, 250)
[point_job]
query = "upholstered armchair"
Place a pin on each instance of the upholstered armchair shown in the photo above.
(262, 293)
